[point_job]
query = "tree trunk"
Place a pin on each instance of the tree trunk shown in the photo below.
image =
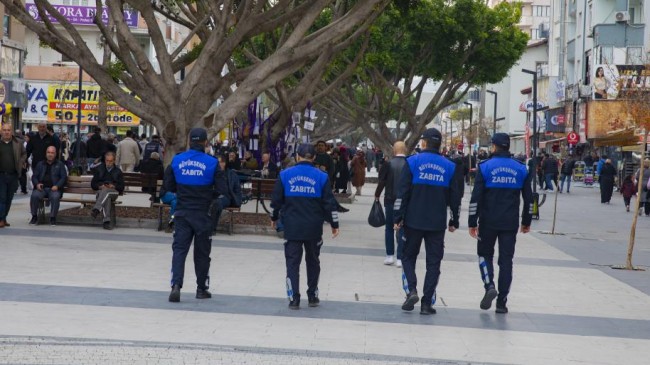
(103, 98)
(630, 247)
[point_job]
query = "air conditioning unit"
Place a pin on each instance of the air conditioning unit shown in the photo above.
(622, 16)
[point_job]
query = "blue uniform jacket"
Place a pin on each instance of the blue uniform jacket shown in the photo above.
(196, 179)
(496, 195)
(304, 196)
(427, 187)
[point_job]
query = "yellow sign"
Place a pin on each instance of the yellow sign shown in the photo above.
(63, 104)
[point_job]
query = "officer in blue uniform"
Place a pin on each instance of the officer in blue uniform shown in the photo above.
(198, 181)
(303, 196)
(427, 188)
(494, 214)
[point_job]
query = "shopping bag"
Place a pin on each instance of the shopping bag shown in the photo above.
(376, 218)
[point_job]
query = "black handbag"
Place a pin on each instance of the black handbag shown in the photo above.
(376, 218)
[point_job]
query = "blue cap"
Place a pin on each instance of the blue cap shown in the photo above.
(501, 140)
(198, 135)
(306, 150)
(432, 134)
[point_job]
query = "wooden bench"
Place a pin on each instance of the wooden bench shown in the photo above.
(261, 190)
(80, 187)
(140, 180)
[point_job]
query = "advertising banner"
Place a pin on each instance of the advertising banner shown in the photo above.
(83, 15)
(62, 106)
(555, 120)
(611, 82)
(37, 101)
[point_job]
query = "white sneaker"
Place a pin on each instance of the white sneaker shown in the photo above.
(398, 263)
(389, 260)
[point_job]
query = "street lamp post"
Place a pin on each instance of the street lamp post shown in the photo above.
(533, 168)
(78, 157)
(494, 118)
(471, 117)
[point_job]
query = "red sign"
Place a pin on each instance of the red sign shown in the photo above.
(572, 138)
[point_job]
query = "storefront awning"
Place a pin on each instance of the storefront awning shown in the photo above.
(621, 138)
(542, 144)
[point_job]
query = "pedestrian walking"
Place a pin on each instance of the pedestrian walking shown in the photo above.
(128, 153)
(566, 174)
(644, 197)
(358, 167)
(606, 180)
(389, 176)
(494, 215)
(426, 191)
(197, 180)
(303, 197)
(628, 189)
(48, 179)
(39, 142)
(550, 167)
(12, 161)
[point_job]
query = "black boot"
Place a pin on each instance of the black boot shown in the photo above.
(501, 306)
(295, 302)
(411, 299)
(489, 296)
(175, 295)
(203, 294)
(313, 301)
(427, 309)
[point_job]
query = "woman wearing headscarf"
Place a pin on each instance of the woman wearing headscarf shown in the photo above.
(607, 175)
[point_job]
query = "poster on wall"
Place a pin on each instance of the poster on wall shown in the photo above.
(607, 118)
(611, 82)
(555, 120)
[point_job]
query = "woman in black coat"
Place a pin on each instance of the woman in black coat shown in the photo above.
(342, 174)
(607, 175)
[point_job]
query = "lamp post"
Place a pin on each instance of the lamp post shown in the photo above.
(533, 167)
(78, 157)
(471, 117)
(494, 118)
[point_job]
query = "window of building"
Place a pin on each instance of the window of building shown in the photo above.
(634, 56)
(6, 26)
(539, 10)
(606, 55)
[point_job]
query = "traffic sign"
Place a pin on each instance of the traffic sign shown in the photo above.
(573, 138)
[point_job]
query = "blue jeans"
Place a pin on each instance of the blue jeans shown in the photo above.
(169, 198)
(568, 182)
(391, 235)
(549, 181)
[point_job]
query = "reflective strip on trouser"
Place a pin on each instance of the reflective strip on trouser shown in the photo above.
(434, 246)
(293, 256)
(188, 227)
(485, 250)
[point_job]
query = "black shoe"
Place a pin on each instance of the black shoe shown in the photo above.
(203, 294)
(501, 306)
(427, 309)
(52, 221)
(489, 296)
(34, 220)
(94, 213)
(295, 302)
(313, 301)
(343, 209)
(108, 226)
(411, 299)
(175, 295)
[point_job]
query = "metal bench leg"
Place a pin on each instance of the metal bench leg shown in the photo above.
(41, 212)
(113, 214)
(231, 224)
(160, 219)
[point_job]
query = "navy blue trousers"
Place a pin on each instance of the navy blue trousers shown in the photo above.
(434, 244)
(485, 250)
(190, 226)
(293, 255)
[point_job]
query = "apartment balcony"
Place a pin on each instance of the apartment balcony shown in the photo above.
(526, 21)
(619, 35)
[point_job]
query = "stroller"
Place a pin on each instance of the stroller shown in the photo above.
(589, 175)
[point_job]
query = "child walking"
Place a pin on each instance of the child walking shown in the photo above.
(628, 190)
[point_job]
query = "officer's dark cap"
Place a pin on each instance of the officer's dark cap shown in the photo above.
(432, 134)
(198, 135)
(501, 140)
(306, 150)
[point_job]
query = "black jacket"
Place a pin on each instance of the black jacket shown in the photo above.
(37, 146)
(427, 188)
(95, 147)
(234, 188)
(567, 167)
(151, 166)
(500, 182)
(549, 165)
(102, 176)
(389, 175)
(303, 195)
(58, 174)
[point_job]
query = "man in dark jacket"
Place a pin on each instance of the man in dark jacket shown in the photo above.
(152, 166)
(39, 142)
(197, 180)
(109, 183)
(303, 195)
(154, 146)
(389, 175)
(48, 179)
(566, 173)
(12, 162)
(550, 167)
(95, 147)
(494, 214)
(427, 189)
(234, 196)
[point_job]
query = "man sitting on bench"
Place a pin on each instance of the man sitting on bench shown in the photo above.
(109, 183)
(49, 178)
